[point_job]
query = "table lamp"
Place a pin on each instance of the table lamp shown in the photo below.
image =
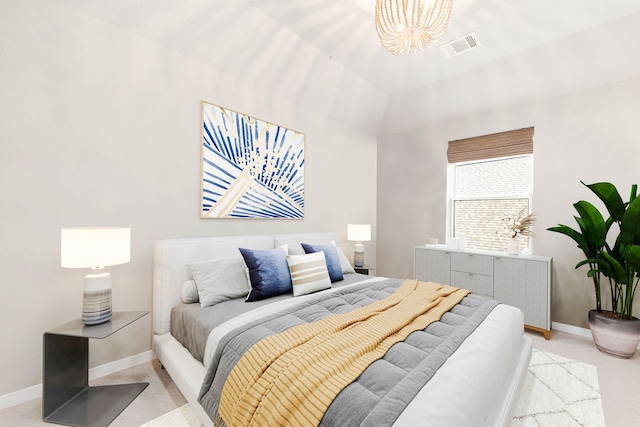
(358, 233)
(95, 248)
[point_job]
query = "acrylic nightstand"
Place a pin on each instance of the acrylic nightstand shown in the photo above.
(66, 395)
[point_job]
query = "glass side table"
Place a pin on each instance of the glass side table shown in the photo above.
(66, 395)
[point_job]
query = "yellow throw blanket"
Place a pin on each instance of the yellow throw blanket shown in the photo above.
(291, 378)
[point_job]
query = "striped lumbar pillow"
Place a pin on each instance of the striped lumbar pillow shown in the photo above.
(308, 273)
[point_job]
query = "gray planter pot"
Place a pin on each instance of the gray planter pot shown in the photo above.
(613, 336)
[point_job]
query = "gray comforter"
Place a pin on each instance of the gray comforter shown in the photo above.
(191, 325)
(383, 390)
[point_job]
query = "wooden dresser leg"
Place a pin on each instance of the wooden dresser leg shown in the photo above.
(545, 333)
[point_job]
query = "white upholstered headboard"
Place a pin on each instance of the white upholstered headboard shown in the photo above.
(293, 240)
(170, 258)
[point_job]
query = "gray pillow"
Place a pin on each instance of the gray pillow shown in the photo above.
(220, 279)
(344, 262)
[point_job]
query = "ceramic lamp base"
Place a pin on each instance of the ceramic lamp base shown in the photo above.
(358, 255)
(96, 303)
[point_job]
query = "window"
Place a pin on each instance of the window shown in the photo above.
(484, 184)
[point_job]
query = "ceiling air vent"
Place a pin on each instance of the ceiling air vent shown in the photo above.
(460, 45)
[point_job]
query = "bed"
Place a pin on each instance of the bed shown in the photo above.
(478, 384)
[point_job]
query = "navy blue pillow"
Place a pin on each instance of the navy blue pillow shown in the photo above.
(331, 255)
(268, 272)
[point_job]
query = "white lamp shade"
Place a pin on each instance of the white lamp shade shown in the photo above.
(89, 247)
(359, 232)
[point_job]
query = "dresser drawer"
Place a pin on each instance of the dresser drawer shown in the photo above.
(476, 283)
(523, 281)
(432, 266)
(472, 263)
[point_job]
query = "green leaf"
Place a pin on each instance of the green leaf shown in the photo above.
(630, 225)
(614, 269)
(593, 225)
(608, 223)
(609, 195)
(583, 262)
(583, 227)
(576, 236)
(633, 258)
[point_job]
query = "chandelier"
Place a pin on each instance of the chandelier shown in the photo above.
(406, 26)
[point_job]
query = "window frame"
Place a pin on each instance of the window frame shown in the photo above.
(451, 197)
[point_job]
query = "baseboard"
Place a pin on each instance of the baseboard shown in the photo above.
(20, 396)
(35, 391)
(575, 330)
(119, 365)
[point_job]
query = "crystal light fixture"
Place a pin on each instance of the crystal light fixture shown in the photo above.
(406, 26)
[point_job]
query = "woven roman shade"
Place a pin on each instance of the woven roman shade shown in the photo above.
(502, 144)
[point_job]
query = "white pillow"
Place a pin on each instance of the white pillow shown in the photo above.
(295, 250)
(344, 262)
(220, 279)
(309, 273)
(189, 292)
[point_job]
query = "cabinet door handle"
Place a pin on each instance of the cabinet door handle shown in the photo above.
(470, 274)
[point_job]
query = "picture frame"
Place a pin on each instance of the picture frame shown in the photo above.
(250, 168)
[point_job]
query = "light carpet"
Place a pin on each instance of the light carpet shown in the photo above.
(557, 392)
(180, 417)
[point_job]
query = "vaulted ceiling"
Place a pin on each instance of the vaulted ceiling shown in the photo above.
(345, 30)
(584, 34)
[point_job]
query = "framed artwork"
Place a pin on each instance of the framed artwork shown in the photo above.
(250, 168)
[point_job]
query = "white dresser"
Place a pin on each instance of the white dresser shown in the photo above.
(523, 281)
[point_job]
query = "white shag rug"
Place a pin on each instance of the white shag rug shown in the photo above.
(557, 392)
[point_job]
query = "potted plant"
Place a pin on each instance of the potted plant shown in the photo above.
(616, 331)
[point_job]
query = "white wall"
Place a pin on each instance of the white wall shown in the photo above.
(100, 127)
(590, 135)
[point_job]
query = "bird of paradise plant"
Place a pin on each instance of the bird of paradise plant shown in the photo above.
(620, 264)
